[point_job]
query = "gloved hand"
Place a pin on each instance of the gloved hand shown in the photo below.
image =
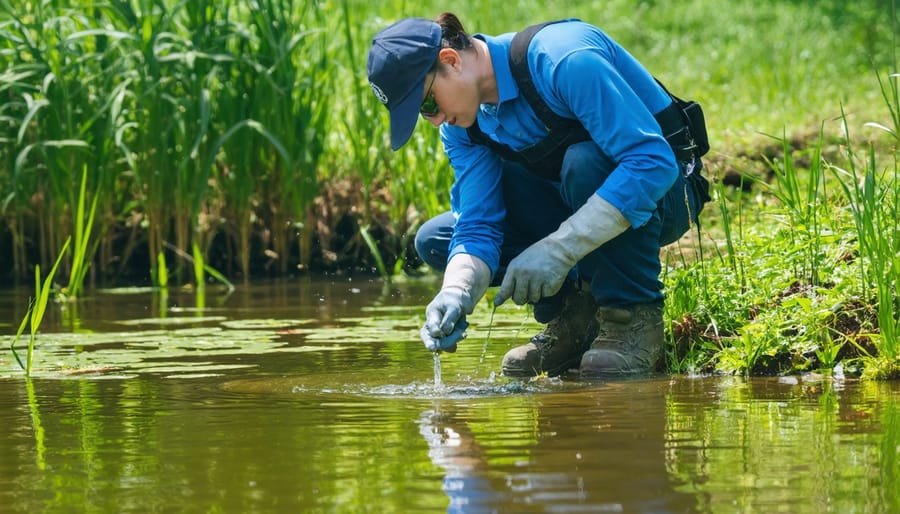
(537, 272)
(465, 281)
(540, 270)
(445, 320)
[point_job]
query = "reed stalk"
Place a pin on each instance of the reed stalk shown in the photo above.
(365, 138)
(299, 73)
(84, 247)
(241, 173)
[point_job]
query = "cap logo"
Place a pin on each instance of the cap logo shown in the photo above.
(379, 94)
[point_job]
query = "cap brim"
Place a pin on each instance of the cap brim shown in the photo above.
(405, 115)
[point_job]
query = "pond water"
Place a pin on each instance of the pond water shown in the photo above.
(315, 395)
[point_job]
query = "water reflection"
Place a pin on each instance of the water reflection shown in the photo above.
(453, 447)
(600, 449)
(786, 444)
(660, 445)
(316, 399)
(679, 445)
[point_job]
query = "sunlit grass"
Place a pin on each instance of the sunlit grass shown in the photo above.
(812, 281)
(215, 125)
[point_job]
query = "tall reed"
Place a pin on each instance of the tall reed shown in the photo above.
(84, 246)
(51, 100)
(293, 104)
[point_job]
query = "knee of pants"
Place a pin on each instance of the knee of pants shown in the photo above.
(585, 168)
(430, 252)
(432, 241)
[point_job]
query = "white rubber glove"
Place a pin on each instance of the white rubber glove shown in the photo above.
(540, 270)
(465, 280)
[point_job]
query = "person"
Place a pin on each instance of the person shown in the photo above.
(565, 185)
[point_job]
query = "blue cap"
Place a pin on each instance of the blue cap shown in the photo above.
(399, 60)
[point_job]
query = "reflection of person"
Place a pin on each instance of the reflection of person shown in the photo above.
(452, 446)
(595, 450)
(562, 175)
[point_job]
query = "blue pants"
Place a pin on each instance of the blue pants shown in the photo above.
(622, 272)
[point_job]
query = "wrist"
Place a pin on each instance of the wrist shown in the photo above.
(461, 295)
(467, 276)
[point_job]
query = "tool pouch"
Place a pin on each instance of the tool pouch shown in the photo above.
(684, 127)
(696, 123)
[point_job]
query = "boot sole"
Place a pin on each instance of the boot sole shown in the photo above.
(556, 371)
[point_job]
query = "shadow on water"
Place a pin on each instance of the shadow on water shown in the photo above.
(319, 397)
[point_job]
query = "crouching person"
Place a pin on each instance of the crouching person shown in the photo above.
(572, 167)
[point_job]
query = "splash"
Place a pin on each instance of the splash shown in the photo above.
(468, 389)
(438, 382)
(361, 385)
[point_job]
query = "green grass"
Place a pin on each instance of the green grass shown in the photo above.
(805, 271)
(236, 140)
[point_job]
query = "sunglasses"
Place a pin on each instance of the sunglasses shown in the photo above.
(429, 106)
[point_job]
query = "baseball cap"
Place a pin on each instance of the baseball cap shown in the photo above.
(399, 60)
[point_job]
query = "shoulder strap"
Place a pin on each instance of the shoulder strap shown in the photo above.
(545, 156)
(562, 132)
(518, 63)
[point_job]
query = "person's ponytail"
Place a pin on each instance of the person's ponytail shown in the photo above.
(452, 33)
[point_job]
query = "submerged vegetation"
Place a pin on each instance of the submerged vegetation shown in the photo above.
(176, 141)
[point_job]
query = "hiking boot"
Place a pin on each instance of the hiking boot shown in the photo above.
(548, 309)
(628, 341)
(561, 344)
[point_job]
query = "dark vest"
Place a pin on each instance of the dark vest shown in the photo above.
(545, 157)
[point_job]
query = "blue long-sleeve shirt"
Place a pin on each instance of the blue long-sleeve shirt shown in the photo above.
(581, 73)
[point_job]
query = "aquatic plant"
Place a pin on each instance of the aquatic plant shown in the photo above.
(363, 136)
(35, 312)
(813, 289)
(293, 59)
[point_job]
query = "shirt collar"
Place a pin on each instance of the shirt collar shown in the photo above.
(499, 50)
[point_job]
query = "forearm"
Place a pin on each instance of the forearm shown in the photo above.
(592, 225)
(469, 274)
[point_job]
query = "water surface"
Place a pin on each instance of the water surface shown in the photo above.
(316, 396)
